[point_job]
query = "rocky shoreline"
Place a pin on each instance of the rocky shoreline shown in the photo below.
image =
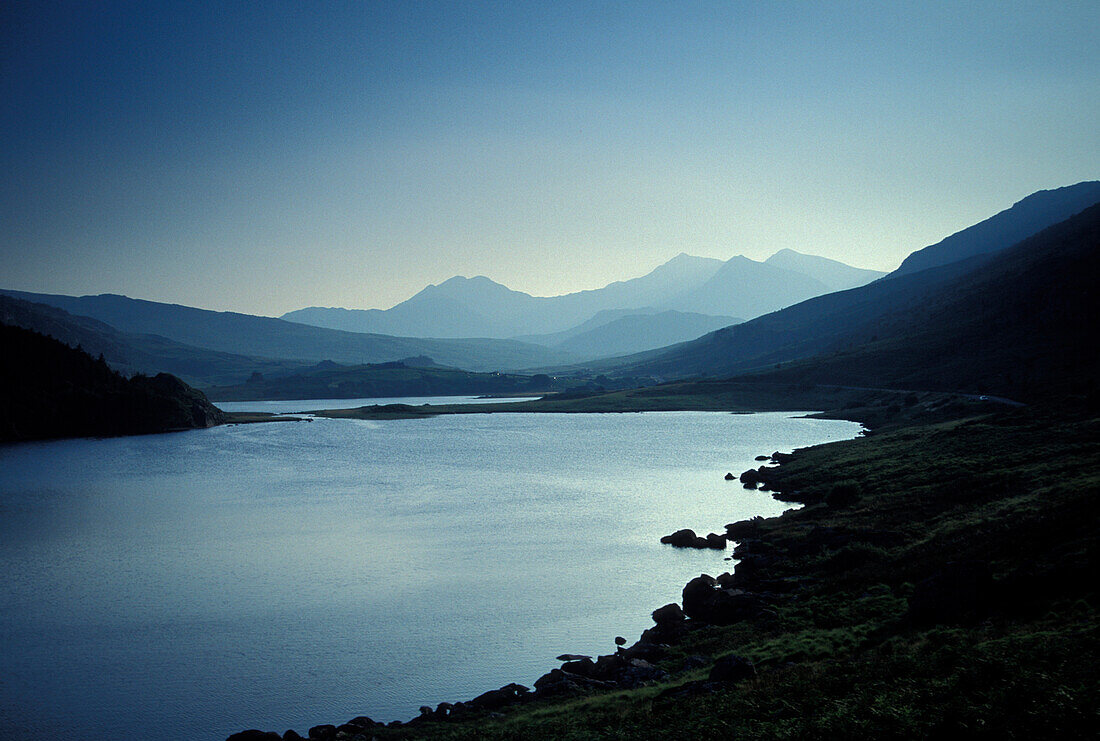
(744, 594)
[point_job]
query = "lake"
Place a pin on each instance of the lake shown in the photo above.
(282, 575)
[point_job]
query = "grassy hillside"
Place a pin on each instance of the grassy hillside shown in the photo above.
(50, 390)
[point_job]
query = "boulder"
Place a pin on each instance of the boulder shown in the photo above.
(583, 667)
(494, 699)
(254, 735)
(291, 735)
(325, 732)
(716, 541)
(706, 601)
(620, 641)
(573, 657)
(761, 458)
(751, 478)
(669, 614)
(685, 538)
(732, 668)
(638, 672)
(730, 476)
(363, 721)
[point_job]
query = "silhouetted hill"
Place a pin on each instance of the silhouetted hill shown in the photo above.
(134, 353)
(836, 276)
(414, 377)
(828, 323)
(50, 390)
(1021, 324)
(245, 334)
(1026, 217)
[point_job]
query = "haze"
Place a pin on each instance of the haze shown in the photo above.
(266, 157)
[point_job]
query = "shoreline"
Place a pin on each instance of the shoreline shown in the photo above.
(881, 560)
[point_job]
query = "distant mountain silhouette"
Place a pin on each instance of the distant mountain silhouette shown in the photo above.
(637, 332)
(266, 337)
(1026, 217)
(744, 287)
(480, 307)
(1001, 304)
(835, 275)
(50, 390)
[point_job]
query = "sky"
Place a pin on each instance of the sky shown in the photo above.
(263, 157)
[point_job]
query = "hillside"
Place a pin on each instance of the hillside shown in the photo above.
(244, 334)
(1026, 217)
(135, 353)
(333, 381)
(837, 322)
(50, 390)
(1021, 325)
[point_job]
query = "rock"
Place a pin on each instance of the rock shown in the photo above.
(648, 649)
(716, 541)
(761, 458)
(638, 672)
(325, 732)
(705, 601)
(347, 730)
(582, 667)
(744, 528)
(730, 476)
(426, 710)
(732, 668)
(494, 699)
(669, 614)
(620, 641)
(363, 721)
(696, 595)
(291, 735)
(573, 657)
(254, 735)
(685, 538)
(960, 592)
(751, 477)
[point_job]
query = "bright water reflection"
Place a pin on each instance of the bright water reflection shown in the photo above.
(195, 584)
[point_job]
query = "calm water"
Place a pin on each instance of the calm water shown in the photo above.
(278, 576)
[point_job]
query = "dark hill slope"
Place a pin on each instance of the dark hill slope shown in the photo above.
(1022, 325)
(245, 334)
(827, 323)
(134, 353)
(1027, 217)
(50, 390)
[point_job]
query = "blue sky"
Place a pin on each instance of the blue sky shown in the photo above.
(262, 157)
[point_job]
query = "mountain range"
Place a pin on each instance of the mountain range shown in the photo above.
(480, 307)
